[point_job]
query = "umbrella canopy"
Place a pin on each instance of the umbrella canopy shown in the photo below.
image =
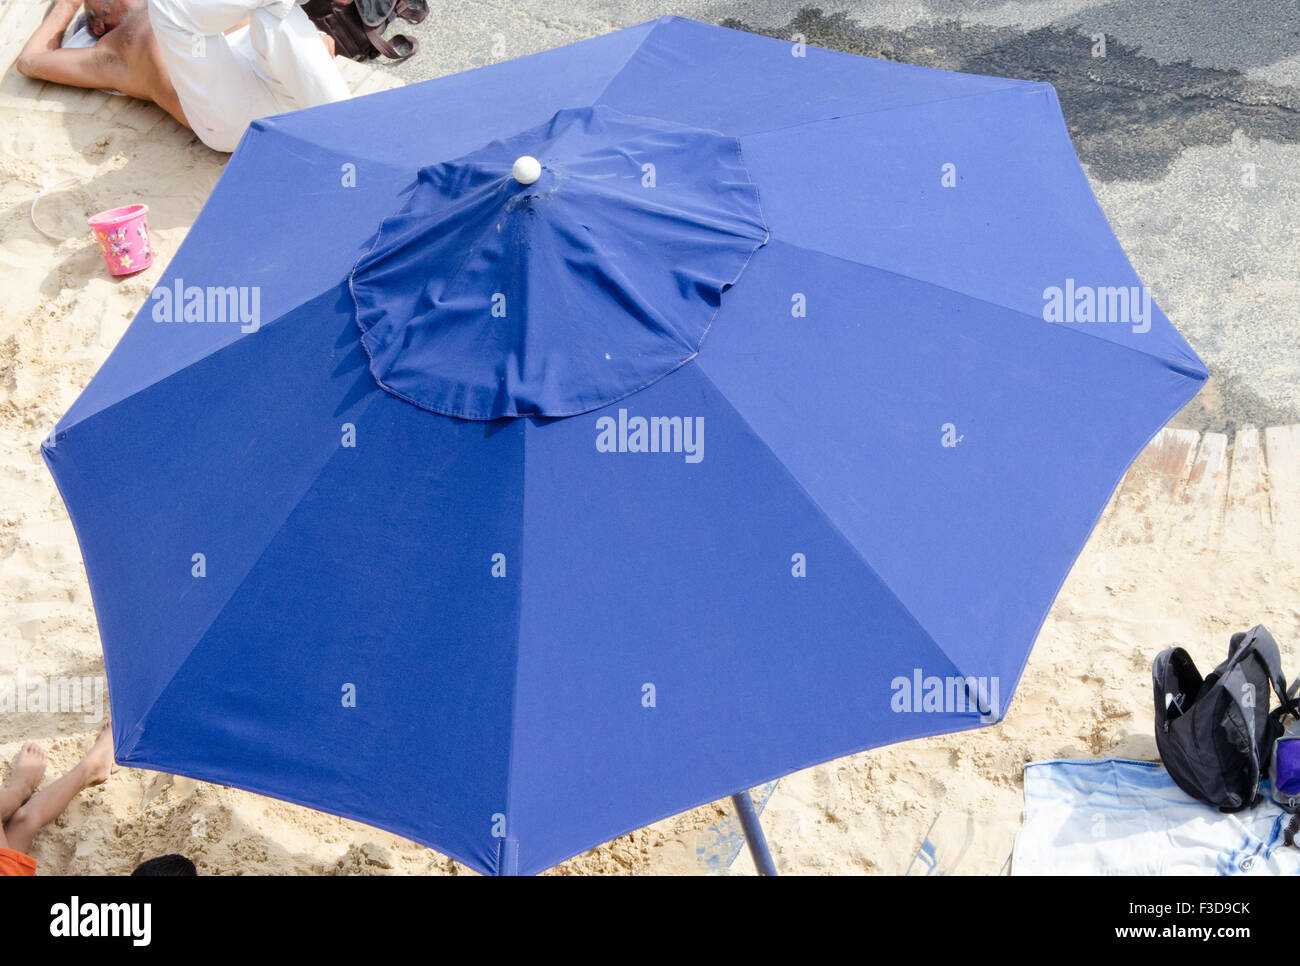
(761, 428)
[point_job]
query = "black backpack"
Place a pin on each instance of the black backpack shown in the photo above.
(1216, 735)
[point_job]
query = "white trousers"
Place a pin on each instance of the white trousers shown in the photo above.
(275, 64)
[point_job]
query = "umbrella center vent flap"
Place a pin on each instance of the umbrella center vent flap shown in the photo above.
(558, 270)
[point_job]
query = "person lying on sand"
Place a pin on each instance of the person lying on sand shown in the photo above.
(24, 810)
(214, 65)
(127, 57)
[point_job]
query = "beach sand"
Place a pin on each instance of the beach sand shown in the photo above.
(1187, 554)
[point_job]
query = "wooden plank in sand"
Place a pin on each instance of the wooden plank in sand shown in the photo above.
(352, 71)
(1246, 518)
(173, 133)
(1197, 513)
(377, 81)
(20, 18)
(1282, 457)
(113, 106)
(390, 83)
(1183, 478)
(1146, 496)
(93, 101)
(18, 91)
(139, 115)
(7, 8)
(362, 78)
(61, 97)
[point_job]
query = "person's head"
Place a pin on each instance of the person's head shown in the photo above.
(166, 865)
(103, 15)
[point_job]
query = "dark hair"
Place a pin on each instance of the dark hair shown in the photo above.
(166, 865)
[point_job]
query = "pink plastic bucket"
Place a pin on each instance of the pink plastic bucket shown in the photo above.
(123, 237)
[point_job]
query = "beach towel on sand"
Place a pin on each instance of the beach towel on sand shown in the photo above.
(1119, 817)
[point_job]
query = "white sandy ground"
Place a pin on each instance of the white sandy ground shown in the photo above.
(1137, 588)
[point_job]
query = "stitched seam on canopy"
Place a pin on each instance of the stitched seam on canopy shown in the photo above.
(1013, 84)
(519, 642)
(517, 415)
(514, 414)
(356, 305)
(767, 237)
(262, 126)
(270, 541)
(1021, 86)
(619, 73)
(210, 354)
(1175, 364)
(268, 124)
(379, 235)
(830, 522)
(1083, 541)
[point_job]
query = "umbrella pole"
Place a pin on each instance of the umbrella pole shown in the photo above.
(753, 833)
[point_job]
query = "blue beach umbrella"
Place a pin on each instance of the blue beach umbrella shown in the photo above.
(511, 506)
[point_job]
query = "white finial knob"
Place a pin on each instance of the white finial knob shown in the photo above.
(527, 169)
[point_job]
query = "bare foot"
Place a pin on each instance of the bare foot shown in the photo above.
(99, 760)
(28, 769)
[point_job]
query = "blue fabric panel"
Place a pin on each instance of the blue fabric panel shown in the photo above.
(1020, 219)
(681, 575)
(211, 461)
(740, 83)
(281, 215)
(376, 580)
(559, 296)
(854, 399)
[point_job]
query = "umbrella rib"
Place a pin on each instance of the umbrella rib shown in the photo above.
(261, 126)
(275, 125)
(138, 726)
(184, 365)
(626, 61)
(1175, 364)
(1016, 85)
(820, 510)
(519, 637)
(1012, 84)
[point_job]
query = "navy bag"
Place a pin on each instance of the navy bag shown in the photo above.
(1216, 735)
(1284, 769)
